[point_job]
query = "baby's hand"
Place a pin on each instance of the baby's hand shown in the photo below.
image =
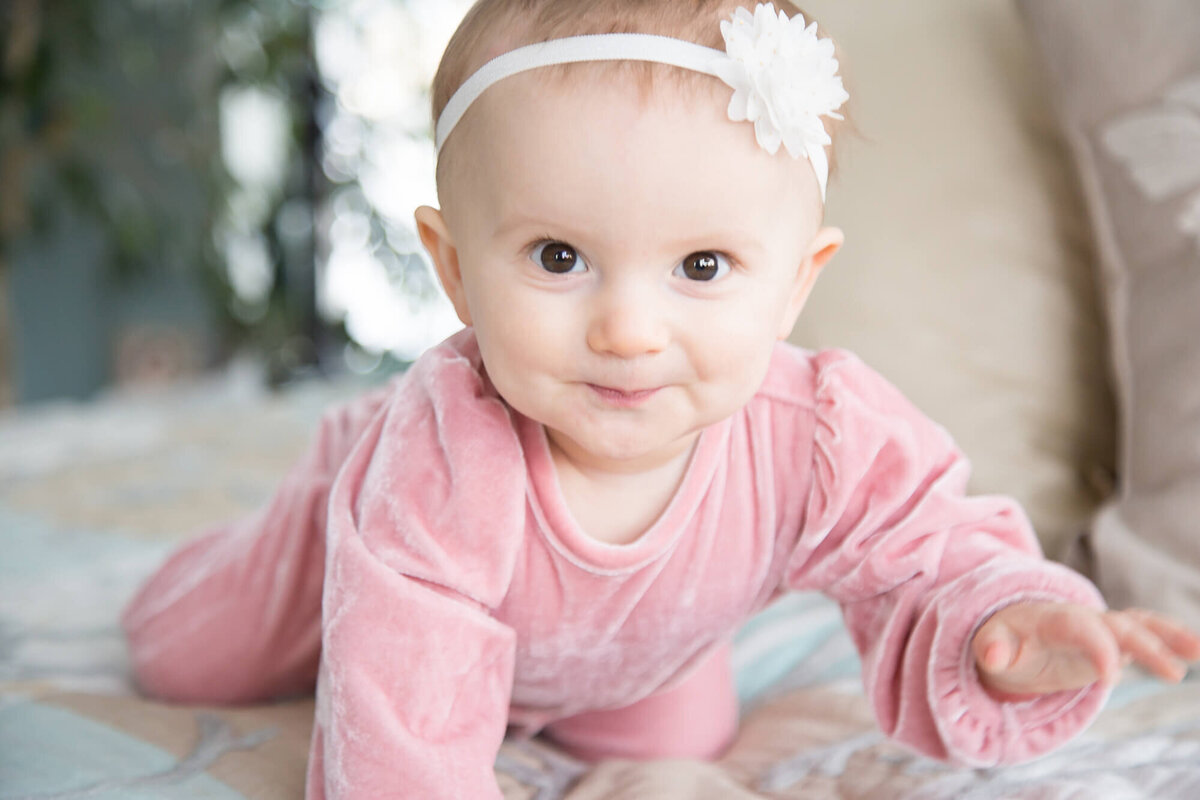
(1037, 648)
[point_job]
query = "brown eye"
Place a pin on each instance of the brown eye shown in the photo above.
(556, 257)
(703, 266)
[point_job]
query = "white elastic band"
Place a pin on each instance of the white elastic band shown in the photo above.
(592, 47)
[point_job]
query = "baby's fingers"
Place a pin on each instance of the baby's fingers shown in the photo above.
(1182, 641)
(1154, 642)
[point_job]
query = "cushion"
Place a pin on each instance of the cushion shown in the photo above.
(1127, 76)
(965, 278)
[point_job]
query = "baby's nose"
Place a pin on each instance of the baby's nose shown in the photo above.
(628, 323)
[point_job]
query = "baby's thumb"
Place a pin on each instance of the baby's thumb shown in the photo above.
(996, 647)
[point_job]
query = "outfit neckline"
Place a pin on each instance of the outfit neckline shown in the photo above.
(562, 530)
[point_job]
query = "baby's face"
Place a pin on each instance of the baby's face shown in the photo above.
(627, 265)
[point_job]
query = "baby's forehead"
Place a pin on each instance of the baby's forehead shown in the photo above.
(607, 118)
(616, 157)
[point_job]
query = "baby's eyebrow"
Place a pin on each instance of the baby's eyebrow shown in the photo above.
(736, 242)
(508, 224)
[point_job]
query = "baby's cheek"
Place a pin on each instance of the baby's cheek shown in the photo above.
(737, 370)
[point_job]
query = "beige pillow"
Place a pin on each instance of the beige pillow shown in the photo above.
(965, 276)
(1128, 79)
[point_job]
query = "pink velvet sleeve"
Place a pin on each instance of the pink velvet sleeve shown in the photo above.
(424, 526)
(917, 566)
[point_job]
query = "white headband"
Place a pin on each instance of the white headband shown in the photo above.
(784, 78)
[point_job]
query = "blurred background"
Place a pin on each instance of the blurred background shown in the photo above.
(187, 185)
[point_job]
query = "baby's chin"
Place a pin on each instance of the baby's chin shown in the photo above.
(620, 451)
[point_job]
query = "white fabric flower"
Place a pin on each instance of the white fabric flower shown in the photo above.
(784, 79)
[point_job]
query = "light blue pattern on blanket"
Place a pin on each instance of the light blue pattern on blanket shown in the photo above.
(48, 752)
(797, 641)
(61, 592)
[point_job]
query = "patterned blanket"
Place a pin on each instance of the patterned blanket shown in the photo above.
(93, 496)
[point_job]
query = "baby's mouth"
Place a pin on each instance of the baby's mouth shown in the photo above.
(624, 398)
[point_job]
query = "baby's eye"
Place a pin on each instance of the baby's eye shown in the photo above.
(703, 266)
(557, 257)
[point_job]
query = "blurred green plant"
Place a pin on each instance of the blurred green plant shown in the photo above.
(110, 112)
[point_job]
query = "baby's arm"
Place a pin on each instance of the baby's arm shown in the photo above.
(414, 688)
(424, 529)
(888, 530)
(1037, 648)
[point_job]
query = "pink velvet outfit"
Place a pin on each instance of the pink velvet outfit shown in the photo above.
(460, 597)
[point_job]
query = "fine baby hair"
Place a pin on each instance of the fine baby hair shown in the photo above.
(557, 519)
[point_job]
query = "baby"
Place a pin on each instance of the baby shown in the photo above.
(558, 518)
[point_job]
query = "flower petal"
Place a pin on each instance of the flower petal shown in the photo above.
(784, 79)
(767, 135)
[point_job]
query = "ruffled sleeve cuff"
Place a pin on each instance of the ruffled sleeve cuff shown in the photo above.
(976, 729)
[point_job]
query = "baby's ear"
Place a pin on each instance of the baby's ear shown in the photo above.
(824, 247)
(435, 235)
